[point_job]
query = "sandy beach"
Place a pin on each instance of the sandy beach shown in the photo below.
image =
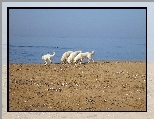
(99, 86)
(85, 115)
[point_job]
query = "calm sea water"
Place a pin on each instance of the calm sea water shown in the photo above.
(31, 49)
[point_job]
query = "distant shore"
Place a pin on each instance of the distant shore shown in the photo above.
(98, 86)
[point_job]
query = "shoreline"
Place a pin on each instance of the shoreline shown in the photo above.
(86, 62)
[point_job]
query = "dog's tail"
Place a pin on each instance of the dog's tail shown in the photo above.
(53, 54)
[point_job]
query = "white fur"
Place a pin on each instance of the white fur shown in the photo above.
(72, 56)
(81, 56)
(89, 56)
(65, 56)
(48, 57)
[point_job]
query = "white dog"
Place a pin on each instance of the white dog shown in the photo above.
(48, 57)
(72, 56)
(82, 56)
(65, 56)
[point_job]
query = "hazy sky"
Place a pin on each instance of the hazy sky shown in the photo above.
(78, 23)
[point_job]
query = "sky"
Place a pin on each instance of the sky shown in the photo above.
(78, 23)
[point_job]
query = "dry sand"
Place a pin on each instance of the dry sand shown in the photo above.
(68, 115)
(100, 86)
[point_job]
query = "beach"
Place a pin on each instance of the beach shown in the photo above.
(98, 86)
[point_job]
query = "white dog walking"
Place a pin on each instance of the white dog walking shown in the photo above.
(48, 57)
(65, 56)
(72, 56)
(82, 56)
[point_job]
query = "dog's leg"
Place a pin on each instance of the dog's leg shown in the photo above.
(81, 61)
(93, 60)
(88, 60)
(45, 62)
(50, 61)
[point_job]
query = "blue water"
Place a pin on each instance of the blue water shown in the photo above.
(31, 49)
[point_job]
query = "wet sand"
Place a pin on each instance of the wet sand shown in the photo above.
(99, 86)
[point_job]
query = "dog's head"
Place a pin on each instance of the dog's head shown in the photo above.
(92, 52)
(42, 57)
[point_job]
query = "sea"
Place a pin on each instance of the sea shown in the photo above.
(29, 50)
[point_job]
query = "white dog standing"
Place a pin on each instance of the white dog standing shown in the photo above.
(48, 57)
